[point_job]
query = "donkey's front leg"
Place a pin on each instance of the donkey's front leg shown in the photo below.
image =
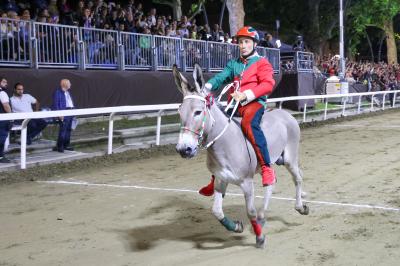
(230, 225)
(248, 190)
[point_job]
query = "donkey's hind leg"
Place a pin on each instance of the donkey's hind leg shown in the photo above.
(230, 225)
(292, 166)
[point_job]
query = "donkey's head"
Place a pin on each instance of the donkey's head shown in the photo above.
(193, 112)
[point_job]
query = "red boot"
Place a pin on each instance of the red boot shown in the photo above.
(209, 189)
(268, 175)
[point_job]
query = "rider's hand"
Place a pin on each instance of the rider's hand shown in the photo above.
(208, 87)
(239, 96)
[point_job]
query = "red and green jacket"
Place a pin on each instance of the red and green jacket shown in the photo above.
(255, 75)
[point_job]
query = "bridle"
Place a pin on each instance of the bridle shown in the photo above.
(208, 102)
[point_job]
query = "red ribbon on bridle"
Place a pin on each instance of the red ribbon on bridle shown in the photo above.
(209, 100)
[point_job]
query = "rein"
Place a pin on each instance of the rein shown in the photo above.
(208, 102)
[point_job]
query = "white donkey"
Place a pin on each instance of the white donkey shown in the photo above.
(230, 156)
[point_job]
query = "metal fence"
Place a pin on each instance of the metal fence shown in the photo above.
(304, 61)
(167, 52)
(195, 52)
(40, 45)
(220, 54)
(137, 50)
(15, 46)
(56, 45)
(100, 48)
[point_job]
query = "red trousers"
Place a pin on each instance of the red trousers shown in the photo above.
(251, 118)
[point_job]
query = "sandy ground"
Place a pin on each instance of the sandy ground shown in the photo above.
(355, 162)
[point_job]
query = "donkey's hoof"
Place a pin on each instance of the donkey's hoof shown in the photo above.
(239, 227)
(261, 241)
(304, 211)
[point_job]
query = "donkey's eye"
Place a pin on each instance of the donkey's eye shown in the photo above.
(197, 113)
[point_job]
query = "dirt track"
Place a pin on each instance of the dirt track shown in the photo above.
(354, 162)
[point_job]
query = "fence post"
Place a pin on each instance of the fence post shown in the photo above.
(110, 133)
(326, 108)
(81, 55)
(23, 142)
(208, 66)
(81, 51)
(372, 102)
(34, 60)
(154, 53)
(35, 54)
(121, 53)
(304, 112)
(344, 107)
(182, 53)
(158, 127)
(121, 57)
(394, 99)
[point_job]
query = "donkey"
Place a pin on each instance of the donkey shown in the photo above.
(230, 157)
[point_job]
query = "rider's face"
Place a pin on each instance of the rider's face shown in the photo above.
(246, 46)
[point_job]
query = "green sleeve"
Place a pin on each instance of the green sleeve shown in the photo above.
(225, 76)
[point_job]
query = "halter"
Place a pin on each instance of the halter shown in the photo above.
(208, 101)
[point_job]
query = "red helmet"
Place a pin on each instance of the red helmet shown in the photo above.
(248, 32)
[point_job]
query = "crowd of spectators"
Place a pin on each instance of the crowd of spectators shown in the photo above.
(128, 16)
(377, 76)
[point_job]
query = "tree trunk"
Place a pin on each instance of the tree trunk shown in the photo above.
(177, 9)
(205, 15)
(314, 36)
(221, 14)
(390, 42)
(370, 46)
(380, 47)
(236, 15)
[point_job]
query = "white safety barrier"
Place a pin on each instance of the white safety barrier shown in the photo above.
(112, 111)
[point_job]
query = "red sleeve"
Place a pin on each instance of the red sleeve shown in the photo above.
(265, 76)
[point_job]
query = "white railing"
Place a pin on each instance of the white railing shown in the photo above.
(111, 111)
(327, 97)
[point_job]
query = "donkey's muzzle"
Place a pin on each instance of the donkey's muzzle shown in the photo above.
(186, 151)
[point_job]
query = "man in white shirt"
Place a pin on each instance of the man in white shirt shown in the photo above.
(4, 125)
(22, 103)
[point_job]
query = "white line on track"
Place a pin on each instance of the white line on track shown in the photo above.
(368, 126)
(82, 183)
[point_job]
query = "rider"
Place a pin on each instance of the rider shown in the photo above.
(254, 76)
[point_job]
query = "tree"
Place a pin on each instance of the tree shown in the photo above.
(380, 14)
(236, 15)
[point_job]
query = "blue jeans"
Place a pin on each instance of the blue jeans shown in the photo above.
(35, 126)
(4, 130)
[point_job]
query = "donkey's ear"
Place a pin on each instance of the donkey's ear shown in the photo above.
(198, 77)
(180, 81)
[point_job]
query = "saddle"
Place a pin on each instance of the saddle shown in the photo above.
(237, 120)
